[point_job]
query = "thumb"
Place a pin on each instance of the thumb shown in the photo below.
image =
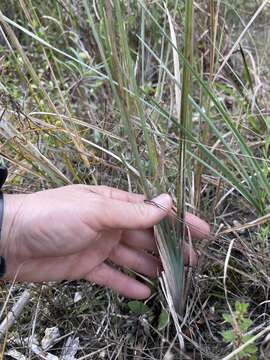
(133, 216)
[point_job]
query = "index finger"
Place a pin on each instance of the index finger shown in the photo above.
(198, 228)
(117, 194)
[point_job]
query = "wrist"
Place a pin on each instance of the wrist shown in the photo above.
(8, 247)
(2, 259)
(3, 176)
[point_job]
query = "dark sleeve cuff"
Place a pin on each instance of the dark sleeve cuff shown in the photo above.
(3, 175)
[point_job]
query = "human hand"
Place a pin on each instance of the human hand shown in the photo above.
(71, 232)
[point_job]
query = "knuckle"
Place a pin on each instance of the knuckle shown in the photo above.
(140, 210)
(79, 187)
(106, 190)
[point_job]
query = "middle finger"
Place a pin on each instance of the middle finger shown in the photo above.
(140, 239)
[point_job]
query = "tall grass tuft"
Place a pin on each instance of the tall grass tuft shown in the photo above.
(153, 142)
(185, 121)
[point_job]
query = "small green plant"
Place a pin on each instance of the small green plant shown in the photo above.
(140, 308)
(240, 323)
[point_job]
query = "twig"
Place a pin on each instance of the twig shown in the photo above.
(14, 313)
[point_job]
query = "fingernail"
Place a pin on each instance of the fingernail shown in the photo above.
(163, 200)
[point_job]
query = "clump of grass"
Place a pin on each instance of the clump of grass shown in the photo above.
(127, 89)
